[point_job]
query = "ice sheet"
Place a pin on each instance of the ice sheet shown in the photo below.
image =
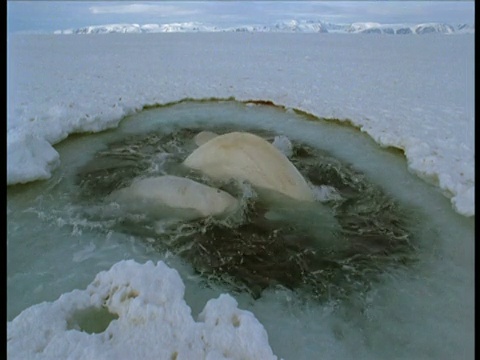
(413, 93)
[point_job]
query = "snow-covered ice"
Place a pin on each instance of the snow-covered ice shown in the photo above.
(412, 93)
(151, 318)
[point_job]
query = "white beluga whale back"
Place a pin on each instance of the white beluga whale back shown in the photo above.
(244, 156)
(173, 196)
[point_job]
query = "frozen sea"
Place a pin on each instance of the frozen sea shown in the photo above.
(412, 93)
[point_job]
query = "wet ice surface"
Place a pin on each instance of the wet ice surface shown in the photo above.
(347, 283)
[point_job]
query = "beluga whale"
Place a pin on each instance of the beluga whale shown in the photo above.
(247, 157)
(173, 197)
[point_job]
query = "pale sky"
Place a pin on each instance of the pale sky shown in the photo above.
(48, 16)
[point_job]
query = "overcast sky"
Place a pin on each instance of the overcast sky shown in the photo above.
(47, 16)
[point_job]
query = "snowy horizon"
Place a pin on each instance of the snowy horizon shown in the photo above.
(288, 26)
(48, 16)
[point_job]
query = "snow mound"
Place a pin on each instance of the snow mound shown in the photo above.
(148, 318)
(29, 158)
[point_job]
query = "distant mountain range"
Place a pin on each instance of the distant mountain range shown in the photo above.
(305, 26)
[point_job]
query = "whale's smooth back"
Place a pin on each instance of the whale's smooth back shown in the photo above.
(172, 195)
(244, 156)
